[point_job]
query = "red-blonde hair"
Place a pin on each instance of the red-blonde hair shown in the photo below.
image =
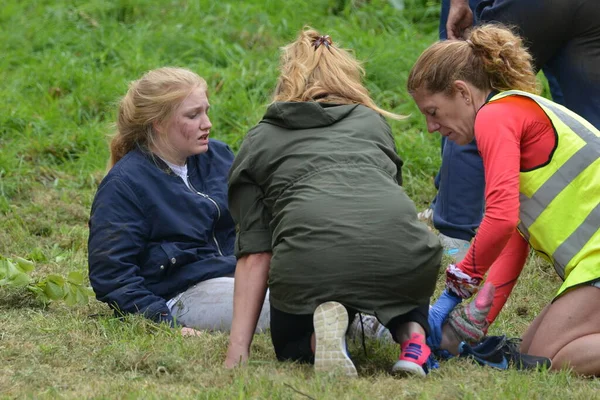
(491, 58)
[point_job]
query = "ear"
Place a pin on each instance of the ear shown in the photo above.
(158, 127)
(462, 89)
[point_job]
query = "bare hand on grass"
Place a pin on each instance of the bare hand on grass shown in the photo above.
(191, 332)
(236, 355)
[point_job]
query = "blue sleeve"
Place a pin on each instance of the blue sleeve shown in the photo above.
(118, 235)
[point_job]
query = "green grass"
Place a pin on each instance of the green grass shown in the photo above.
(64, 65)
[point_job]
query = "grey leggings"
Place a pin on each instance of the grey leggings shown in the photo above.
(208, 305)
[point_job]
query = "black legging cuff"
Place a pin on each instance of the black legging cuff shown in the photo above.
(419, 315)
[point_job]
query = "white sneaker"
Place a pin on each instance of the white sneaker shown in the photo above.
(373, 329)
(455, 248)
(331, 323)
(426, 215)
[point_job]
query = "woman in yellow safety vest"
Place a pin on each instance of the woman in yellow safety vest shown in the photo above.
(542, 173)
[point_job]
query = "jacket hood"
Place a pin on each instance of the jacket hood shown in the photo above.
(306, 115)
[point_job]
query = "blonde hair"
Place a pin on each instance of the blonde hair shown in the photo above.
(323, 73)
(150, 100)
(491, 58)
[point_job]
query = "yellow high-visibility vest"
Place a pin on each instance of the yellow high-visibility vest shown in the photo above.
(560, 200)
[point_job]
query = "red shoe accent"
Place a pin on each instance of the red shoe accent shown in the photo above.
(415, 350)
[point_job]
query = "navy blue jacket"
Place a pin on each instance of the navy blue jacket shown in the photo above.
(151, 237)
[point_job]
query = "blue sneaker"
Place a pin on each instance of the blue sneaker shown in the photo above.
(501, 353)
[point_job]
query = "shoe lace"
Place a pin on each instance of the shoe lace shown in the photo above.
(362, 328)
(513, 345)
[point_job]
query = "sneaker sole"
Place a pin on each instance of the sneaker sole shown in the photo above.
(331, 322)
(407, 368)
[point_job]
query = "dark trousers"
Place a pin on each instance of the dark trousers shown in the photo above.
(291, 333)
(563, 36)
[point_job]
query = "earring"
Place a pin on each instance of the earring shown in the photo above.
(468, 100)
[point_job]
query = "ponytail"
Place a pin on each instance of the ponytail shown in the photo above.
(314, 68)
(491, 58)
(504, 58)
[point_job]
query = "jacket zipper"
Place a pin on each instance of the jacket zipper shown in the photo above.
(218, 214)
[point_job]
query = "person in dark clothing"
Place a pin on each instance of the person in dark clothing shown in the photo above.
(161, 235)
(323, 220)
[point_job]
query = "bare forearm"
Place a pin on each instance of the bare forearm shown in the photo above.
(251, 277)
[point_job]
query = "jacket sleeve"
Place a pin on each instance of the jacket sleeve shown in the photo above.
(246, 204)
(118, 234)
(391, 151)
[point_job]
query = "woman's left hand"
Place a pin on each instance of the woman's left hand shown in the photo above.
(470, 321)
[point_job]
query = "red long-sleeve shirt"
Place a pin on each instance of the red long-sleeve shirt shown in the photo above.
(513, 134)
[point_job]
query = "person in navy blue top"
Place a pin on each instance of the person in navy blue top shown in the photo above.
(161, 236)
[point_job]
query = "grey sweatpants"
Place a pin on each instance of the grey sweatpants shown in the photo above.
(208, 305)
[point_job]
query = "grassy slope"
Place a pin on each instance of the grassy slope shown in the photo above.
(63, 66)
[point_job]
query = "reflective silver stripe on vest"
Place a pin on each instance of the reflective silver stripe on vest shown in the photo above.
(532, 208)
(584, 232)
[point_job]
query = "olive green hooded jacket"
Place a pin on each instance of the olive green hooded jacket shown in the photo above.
(318, 185)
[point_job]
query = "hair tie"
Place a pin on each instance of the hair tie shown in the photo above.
(326, 40)
(470, 43)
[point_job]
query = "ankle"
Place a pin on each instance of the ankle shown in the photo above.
(415, 337)
(406, 331)
(450, 340)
